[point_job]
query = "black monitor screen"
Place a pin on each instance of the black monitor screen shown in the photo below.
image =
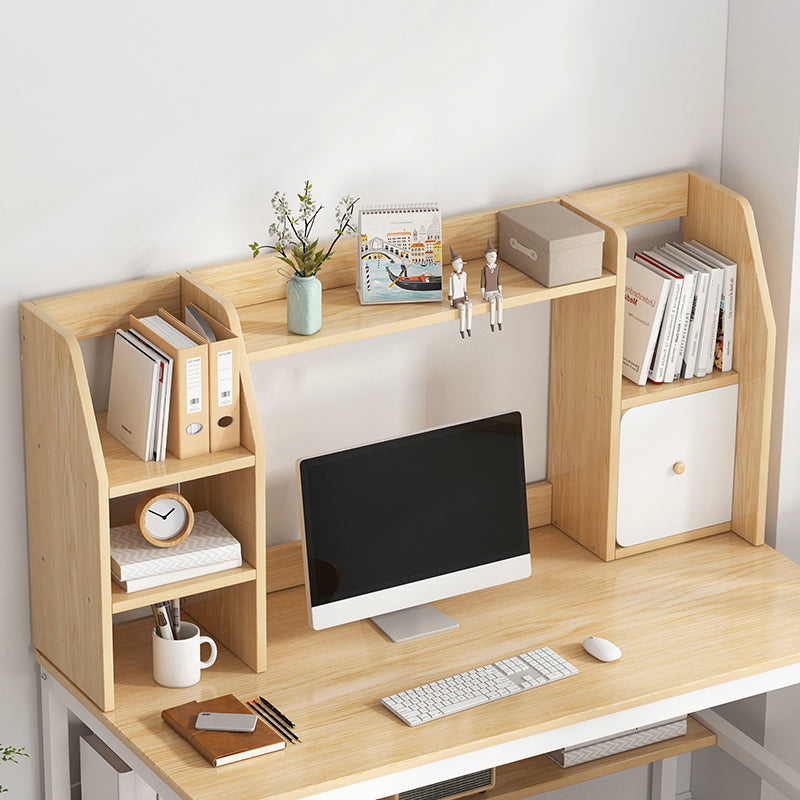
(417, 507)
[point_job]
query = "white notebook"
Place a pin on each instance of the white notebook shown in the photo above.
(133, 396)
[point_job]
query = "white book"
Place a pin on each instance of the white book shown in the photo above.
(645, 300)
(132, 556)
(132, 396)
(137, 584)
(709, 313)
(675, 259)
(176, 338)
(164, 391)
(723, 354)
(659, 366)
(686, 279)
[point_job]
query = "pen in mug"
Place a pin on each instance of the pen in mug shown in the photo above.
(175, 616)
(162, 621)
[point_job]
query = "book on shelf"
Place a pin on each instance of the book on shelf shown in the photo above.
(619, 742)
(677, 347)
(133, 395)
(687, 364)
(187, 434)
(723, 351)
(658, 367)
(705, 351)
(222, 747)
(645, 300)
(400, 253)
(136, 564)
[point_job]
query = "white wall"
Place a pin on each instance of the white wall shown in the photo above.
(140, 139)
(761, 145)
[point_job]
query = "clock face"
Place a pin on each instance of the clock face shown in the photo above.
(165, 518)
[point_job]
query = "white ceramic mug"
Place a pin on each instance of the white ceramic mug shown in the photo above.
(176, 662)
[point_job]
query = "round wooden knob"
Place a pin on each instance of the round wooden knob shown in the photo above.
(679, 467)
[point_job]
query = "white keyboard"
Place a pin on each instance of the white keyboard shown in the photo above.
(478, 686)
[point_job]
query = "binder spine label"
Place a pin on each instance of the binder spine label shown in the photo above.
(194, 385)
(225, 378)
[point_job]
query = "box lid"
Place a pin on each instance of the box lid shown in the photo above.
(551, 222)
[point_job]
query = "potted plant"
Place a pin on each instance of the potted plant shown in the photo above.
(292, 240)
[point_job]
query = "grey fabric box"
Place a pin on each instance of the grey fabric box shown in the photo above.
(551, 243)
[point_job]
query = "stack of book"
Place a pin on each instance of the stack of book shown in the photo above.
(680, 303)
(174, 386)
(137, 565)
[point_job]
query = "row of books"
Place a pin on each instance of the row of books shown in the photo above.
(174, 386)
(137, 565)
(680, 301)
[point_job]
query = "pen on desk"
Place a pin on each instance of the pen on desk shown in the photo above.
(275, 711)
(279, 726)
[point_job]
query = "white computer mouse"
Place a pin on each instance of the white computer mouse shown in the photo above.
(601, 649)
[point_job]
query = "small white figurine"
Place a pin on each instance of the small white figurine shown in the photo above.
(457, 294)
(491, 288)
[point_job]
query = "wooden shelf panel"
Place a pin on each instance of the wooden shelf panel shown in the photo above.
(125, 601)
(633, 395)
(127, 473)
(344, 319)
(539, 774)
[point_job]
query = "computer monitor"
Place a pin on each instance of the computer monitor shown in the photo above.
(391, 526)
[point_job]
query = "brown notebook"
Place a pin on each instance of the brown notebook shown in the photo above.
(222, 747)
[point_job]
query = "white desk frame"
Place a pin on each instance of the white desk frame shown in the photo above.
(58, 703)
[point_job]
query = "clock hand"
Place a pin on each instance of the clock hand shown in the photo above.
(169, 512)
(163, 516)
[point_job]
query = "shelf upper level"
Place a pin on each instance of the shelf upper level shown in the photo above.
(344, 319)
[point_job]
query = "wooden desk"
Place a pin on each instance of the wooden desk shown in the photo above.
(699, 624)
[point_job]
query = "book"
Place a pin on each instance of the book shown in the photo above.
(675, 259)
(209, 543)
(159, 444)
(723, 352)
(645, 300)
(132, 396)
(679, 337)
(400, 254)
(658, 367)
(619, 742)
(187, 434)
(706, 311)
(222, 747)
(150, 581)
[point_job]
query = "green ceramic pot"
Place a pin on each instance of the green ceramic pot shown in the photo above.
(304, 305)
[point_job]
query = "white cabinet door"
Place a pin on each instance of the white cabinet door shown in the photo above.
(676, 465)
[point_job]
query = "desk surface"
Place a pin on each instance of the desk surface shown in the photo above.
(687, 618)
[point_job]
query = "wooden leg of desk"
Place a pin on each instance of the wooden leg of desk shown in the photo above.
(55, 740)
(664, 779)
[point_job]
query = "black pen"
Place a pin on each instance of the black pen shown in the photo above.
(279, 726)
(275, 711)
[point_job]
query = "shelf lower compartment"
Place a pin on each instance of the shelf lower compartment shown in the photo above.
(125, 601)
(539, 774)
(344, 319)
(127, 473)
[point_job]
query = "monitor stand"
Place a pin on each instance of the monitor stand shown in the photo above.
(414, 622)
